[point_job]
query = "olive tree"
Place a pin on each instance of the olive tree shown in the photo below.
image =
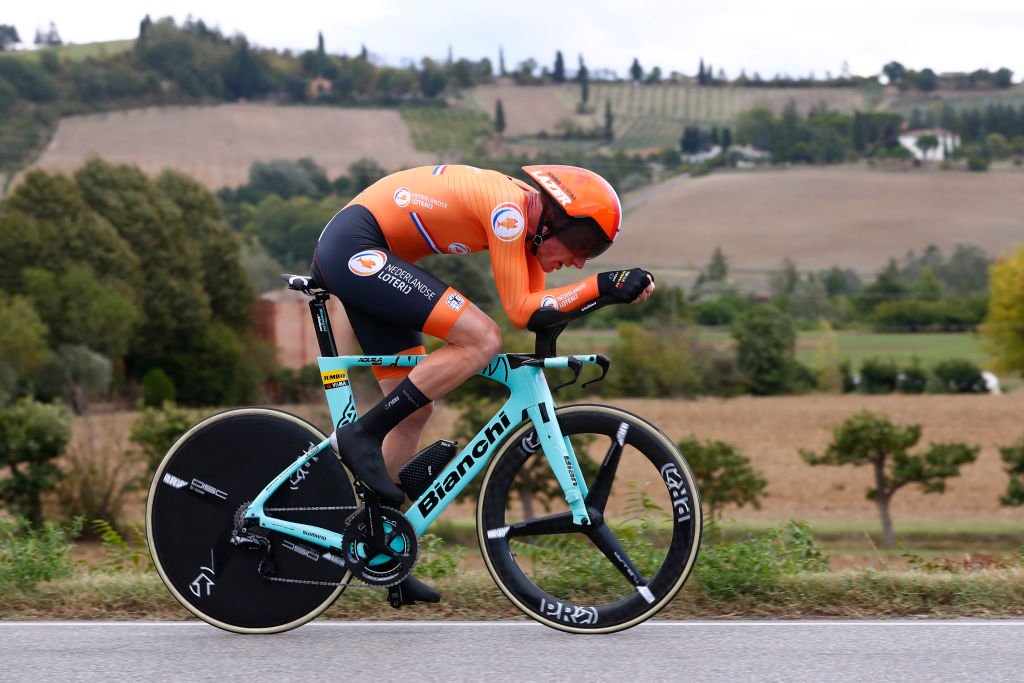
(32, 434)
(868, 439)
(1013, 456)
(724, 475)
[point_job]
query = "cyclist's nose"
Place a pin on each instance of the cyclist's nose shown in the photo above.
(579, 261)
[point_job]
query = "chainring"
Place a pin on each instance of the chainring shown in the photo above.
(390, 567)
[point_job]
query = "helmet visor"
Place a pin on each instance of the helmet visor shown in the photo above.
(582, 238)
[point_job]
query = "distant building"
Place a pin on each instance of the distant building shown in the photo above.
(282, 318)
(948, 141)
(318, 86)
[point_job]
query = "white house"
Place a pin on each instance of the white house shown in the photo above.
(948, 141)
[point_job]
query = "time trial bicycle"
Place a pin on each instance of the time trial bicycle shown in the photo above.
(255, 526)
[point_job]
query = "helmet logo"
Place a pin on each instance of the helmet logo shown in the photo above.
(403, 196)
(367, 262)
(545, 179)
(507, 221)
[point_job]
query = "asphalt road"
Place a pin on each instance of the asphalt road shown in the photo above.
(518, 651)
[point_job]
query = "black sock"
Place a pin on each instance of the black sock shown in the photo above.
(396, 406)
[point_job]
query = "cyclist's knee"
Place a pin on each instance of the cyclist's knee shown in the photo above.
(488, 343)
(478, 336)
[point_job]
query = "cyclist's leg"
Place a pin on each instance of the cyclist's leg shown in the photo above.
(473, 337)
(388, 301)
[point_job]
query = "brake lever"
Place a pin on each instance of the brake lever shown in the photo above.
(604, 363)
(577, 365)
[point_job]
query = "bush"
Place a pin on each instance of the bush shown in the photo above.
(879, 376)
(754, 567)
(913, 379)
(157, 388)
(100, 470)
(157, 430)
(719, 311)
(32, 435)
(977, 163)
(650, 364)
(959, 376)
(29, 556)
(723, 474)
(765, 344)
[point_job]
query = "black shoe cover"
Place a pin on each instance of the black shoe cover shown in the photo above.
(413, 590)
(362, 456)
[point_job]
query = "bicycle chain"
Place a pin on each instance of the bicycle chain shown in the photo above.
(314, 509)
(313, 582)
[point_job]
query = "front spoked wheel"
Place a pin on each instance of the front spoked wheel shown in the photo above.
(639, 551)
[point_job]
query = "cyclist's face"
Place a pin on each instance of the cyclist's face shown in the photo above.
(552, 255)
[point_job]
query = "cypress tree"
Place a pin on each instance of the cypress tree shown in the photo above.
(499, 118)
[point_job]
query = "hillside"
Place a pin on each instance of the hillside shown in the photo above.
(820, 217)
(216, 145)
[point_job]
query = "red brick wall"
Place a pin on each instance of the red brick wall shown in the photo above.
(282, 317)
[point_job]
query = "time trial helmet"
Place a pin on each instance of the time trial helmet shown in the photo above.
(581, 209)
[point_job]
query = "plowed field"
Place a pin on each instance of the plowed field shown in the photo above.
(217, 145)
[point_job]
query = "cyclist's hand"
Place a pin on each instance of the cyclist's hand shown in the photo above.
(627, 286)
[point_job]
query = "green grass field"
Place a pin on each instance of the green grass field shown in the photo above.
(854, 345)
(77, 53)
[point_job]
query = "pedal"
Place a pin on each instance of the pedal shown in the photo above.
(395, 596)
(417, 474)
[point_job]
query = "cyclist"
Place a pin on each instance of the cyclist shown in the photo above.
(365, 257)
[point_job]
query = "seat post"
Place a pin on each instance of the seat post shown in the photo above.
(322, 324)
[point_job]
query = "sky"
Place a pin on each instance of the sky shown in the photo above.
(794, 37)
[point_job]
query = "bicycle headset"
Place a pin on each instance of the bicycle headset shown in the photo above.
(581, 209)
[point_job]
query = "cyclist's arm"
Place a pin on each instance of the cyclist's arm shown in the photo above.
(520, 284)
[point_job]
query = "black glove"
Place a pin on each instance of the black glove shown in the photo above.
(623, 285)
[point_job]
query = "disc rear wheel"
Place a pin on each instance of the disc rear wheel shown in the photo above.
(201, 488)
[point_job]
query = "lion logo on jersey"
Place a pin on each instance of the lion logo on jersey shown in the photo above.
(507, 221)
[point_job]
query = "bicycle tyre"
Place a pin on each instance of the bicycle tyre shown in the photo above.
(631, 438)
(210, 473)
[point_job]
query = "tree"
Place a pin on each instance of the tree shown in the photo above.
(702, 78)
(868, 439)
(32, 434)
(783, 281)
(765, 350)
(8, 37)
(499, 117)
(724, 475)
(1013, 456)
(558, 73)
(894, 72)
(636, 72)
(1004, 324)
(927, 143)
(718, 269)
(998, 146)
(609, 121)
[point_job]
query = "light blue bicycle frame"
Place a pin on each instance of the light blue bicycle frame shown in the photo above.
(529, 399)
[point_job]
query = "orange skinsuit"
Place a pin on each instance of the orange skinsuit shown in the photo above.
(461, 209)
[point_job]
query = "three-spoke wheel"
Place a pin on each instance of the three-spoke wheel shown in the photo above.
(640, 547)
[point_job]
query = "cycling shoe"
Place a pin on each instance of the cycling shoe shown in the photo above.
(362, 456)
(413, 590)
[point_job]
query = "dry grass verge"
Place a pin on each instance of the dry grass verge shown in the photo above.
(996, 593)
